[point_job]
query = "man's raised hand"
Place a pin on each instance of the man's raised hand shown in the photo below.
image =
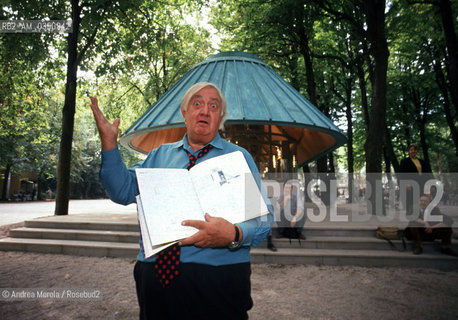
(108, 131)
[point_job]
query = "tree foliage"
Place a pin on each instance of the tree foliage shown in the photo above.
(131, 52)
(343, 55)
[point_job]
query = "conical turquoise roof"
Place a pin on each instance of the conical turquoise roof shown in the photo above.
(261, 105)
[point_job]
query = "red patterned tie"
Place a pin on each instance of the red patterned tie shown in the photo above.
(167, 264)
(192, 159)
(168, 260)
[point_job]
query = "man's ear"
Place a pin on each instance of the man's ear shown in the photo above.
(183, 113)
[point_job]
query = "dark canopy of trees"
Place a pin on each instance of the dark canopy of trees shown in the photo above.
(386, 72)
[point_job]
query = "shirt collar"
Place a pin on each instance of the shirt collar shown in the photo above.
(217, 143)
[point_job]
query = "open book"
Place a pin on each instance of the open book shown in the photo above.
(222, 186)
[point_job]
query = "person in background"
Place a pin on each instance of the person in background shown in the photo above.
(48, 193)
(416, 170)
(423, 230)
(292, 216)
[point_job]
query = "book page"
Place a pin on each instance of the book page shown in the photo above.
(168, 197)
(148, 249)
(226, 188)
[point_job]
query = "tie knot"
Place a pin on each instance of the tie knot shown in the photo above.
(204, 150)
(193, 159)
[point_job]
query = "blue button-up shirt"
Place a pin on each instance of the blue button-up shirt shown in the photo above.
(121, 186)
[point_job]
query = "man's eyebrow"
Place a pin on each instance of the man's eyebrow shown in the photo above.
(197, 96)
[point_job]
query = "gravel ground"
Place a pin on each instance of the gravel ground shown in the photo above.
(279, 292)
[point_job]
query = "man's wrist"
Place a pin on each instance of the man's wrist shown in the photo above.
(109, 145)
(236, 243)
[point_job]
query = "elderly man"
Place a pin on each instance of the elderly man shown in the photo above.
(213, 281)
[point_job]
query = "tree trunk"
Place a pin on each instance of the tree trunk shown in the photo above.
(304, 48)
(375, 18)
(311, 85)
(363, 90)
(424, 145)
(375, 15)
(445, 7)
(293, 69)
(386, 157)
(68, 117)
(6, 182)
(390, 150)
(350, 155)
(406, 123)
(442, 84)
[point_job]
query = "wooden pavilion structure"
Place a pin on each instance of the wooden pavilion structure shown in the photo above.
(267, 116)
